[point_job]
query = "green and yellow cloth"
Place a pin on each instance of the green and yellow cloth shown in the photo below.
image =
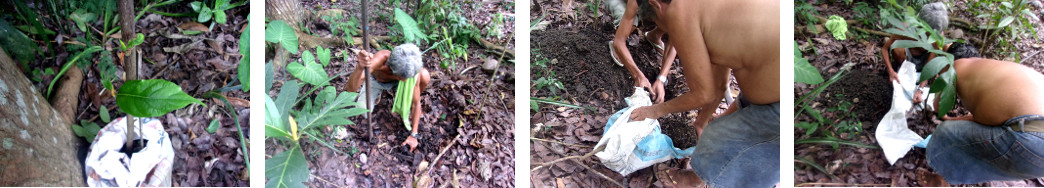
(404, 100)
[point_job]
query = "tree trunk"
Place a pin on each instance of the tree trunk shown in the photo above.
(37, 146)
(286, 10)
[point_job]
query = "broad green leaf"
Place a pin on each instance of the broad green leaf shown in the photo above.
(307, 56)
(279, 32)
(205, 14)
(219, 16)
(274, 126)
(243, 71)
(138, 39)
(287, 169)
(804, 72)
(151, 98)
(809, 127)
(324, 55)
(286, 100)
(214, 125)
(196, 6)
(269, 71)
(409, 27)
(837, 26)
(103, 113)
(910, 44)
(933, 67)
(329, 109)
(948, 98)
(221, 5)
(16, 43)
(310, 72)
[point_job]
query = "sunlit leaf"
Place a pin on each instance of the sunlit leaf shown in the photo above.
(279, 32)
(151, 98)
(287, 169)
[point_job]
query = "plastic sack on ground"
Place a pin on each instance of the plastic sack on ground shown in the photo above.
(106, 166)
(893, 133)
(633, 145)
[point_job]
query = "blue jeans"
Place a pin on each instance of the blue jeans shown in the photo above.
(965, 152)
(740, 149)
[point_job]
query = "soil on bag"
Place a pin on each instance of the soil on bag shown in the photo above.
(867, 88)
(577, 51)
(198, 64)
(466, 131)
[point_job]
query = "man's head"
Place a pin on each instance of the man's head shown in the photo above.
(405, 61)
(962, 50)
(935, 15)
(649, 12)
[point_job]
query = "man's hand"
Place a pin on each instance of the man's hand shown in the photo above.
(645, 112)
(364, 58)
(642, 83)
(892, 76)
(412, 142)
(657, 92)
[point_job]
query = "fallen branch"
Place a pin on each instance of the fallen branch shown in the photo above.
(497, 49)
(444, 149)
(324, 180)
(599, 173)
(585, 156)
(558, 142)
(65, 100)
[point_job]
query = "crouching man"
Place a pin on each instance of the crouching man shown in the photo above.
(740, 149)
(401, 67)
(1003, 137)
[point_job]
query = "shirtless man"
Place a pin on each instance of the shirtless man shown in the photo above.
(628, 14)
(387, 69)
(937, 17)
(741, 149)
(1003, 137)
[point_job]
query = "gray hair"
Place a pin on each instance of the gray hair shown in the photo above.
(935, 15)
(405, 60)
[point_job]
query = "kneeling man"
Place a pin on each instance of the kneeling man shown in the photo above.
(401, 67)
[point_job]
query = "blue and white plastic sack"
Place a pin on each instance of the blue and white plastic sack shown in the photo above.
(634, 145)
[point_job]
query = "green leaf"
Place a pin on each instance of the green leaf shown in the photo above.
(310, 72)
(221, 5)
(1004, 22)
(196, 6)
(837, 26)
(151, 98)
(933, 67)
(16, 43)
(324, 55)
(409, 27)
(81, 17)
(804, 72)
(205, 14)
(88, 130)
(329, 109)
(910, 44)
(214, 125)
(219, 16)
(307, 56)
(274, 127)
(140, 38)
(287, 99)
(243, 71)
(103, 112)
(287, 169)
(279, 32)
(948, 97)
(809, 127)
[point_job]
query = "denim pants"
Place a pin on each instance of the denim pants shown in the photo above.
(965, 152)
(740, 149)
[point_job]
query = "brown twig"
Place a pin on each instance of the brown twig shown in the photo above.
(444, 149)
(324, 180)
(585, 156)
(599, 173)
(558, 142)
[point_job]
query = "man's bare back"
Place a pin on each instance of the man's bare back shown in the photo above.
(741, 35)
(995, 91)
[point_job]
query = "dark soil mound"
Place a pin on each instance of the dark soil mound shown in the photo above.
(869, 92)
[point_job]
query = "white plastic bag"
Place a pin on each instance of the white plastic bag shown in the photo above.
(106, 166)
(893, 133)
(633, 145)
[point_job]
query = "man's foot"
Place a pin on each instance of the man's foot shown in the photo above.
(656, 42)
(612, 52)
(674, 177)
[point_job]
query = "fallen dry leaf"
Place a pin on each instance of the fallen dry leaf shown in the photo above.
(194, 26)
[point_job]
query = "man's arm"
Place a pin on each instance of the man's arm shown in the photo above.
(892, 75)
(357, 78)
(700, 78)
(658, 86)
(422, 83)
(620, 45)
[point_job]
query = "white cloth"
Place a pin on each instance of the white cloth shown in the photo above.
(106, 166)
(893, 133)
